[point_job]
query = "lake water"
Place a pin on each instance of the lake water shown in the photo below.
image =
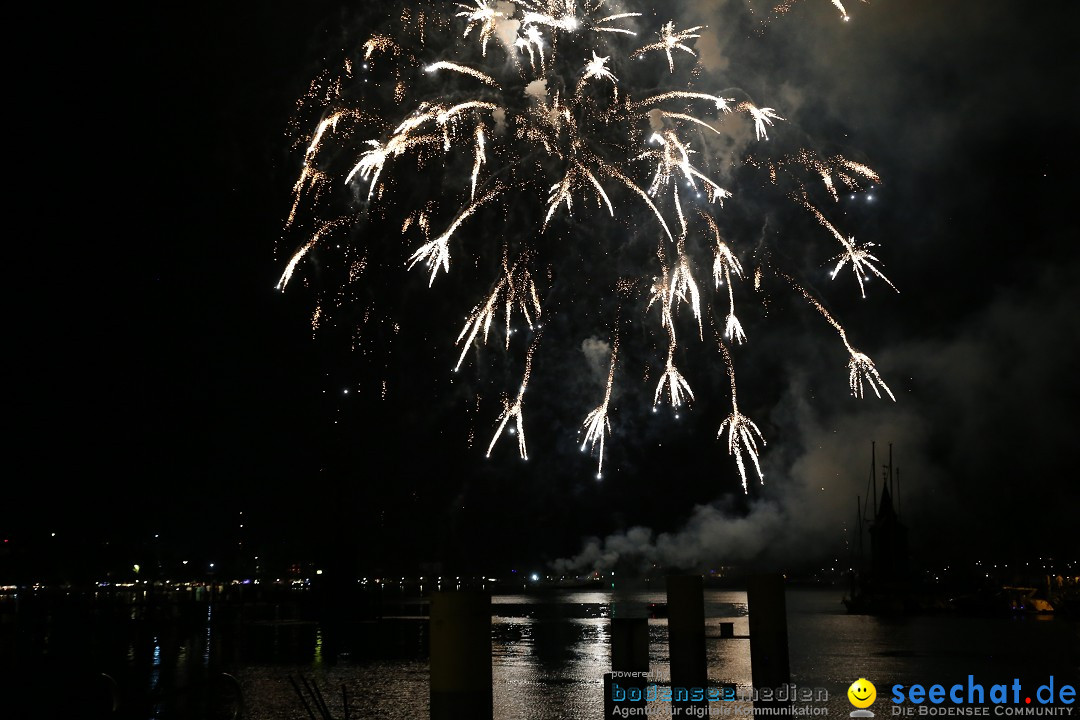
(550, 652)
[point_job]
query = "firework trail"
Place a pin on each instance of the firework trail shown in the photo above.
(784, 7)
(743, 434)
(860, 367)
(596, 425)
(525, 127)
(514, 410)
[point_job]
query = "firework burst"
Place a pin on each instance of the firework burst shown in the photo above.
(533, 124)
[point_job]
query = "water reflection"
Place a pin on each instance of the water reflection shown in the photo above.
(155, 674)
(549, 652)
(209, 630)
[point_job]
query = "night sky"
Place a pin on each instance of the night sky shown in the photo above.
(163, 387)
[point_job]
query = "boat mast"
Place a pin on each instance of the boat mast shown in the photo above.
(873, 472)
(896, 498)
(859, 519)
(891, 491)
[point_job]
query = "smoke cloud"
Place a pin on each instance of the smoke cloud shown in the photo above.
(506, 29)
(597, 355)
(943, 441)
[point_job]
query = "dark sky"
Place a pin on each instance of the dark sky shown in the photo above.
(161, 385)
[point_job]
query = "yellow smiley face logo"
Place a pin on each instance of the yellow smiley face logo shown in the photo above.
(862, 693)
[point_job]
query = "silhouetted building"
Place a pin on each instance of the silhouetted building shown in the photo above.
(884, 585)
(888, 546)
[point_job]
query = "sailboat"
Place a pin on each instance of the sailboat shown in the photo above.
(883, 585)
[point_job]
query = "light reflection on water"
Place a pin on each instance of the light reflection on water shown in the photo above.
(549, 666)
(550, 652)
